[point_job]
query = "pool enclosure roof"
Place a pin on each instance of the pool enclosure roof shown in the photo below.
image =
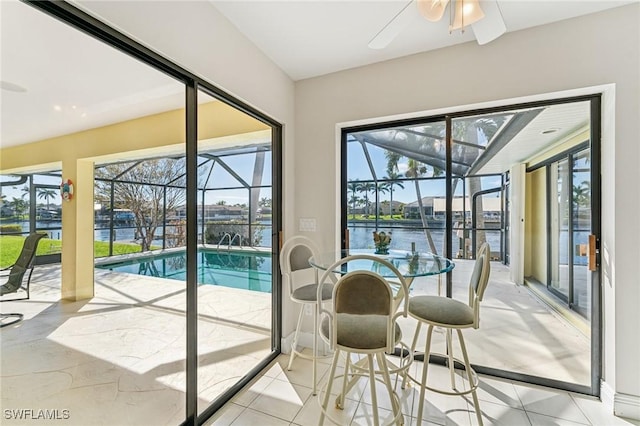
(487, 143)
(246, 166)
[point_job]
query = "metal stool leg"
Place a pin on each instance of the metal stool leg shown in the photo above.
(413, 350)
(294, 345)
(470, 378)
(425, 367)
(332, 373)
(372, 384)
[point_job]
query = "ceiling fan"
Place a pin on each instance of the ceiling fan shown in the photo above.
(484, 16)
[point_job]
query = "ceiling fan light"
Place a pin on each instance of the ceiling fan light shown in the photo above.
(432, 10)
(466, 13)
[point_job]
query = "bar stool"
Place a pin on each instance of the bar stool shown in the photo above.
(362, 320)
(302, 282)
(450, 314)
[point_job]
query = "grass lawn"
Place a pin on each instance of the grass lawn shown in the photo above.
(10, 246)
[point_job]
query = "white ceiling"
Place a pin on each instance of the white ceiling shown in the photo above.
(309, 38)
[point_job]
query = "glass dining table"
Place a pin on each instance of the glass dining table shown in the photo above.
(410, 264)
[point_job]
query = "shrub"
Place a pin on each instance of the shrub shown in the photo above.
(10, 229)
(235, 232)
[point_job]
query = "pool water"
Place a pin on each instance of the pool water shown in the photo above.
(243, 270)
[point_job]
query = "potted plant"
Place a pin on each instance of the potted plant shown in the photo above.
(381, 241)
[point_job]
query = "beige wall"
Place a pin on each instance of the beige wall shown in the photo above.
(599, 51)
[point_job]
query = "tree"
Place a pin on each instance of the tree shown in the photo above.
(19, 206)
(581, 196)
(383, 188)
(415, 170)
(367, 187)
(352, 188)
(145, 190)
(393, 179)
(265, 202)
(393, 175)
(46, 194)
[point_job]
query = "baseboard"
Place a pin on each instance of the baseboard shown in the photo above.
(305, 340)
(627, 406)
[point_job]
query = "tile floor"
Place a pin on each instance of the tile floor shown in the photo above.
(282, 398)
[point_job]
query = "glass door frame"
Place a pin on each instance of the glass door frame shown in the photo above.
(596, 304)
(82, 21)
(567, 155)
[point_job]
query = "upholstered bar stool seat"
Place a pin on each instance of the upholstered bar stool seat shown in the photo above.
(450, 314)
(441, 310)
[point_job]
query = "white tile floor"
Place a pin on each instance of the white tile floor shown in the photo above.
(281, 397)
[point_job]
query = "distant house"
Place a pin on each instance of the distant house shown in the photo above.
(435, 207)
(216, 212)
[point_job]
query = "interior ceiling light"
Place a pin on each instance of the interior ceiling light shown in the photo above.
(486, 21)
(11, 87)
(466, 12)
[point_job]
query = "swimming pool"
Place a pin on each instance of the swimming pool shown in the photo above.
(236, 269)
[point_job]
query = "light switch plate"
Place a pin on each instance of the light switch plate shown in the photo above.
(307, 224)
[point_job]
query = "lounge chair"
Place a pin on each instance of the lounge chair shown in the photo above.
(16, 273)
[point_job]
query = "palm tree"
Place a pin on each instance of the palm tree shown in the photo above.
(366, 187)
(353, 187)
(393, 179)
(19, 206)
(415, 170)
(393, 175)
(581, 196)
(46, 194)
(383, 188)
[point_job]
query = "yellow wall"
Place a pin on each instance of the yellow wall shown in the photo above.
(536, 226)
(152, 135)
(535, 265)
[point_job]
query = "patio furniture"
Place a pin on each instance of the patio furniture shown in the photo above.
(302, 282)
(17, 271)
(450, 314)
(362, 320)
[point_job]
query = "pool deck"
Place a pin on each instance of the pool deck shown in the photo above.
(111, 359)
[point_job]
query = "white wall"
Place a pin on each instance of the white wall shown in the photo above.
(588, 51)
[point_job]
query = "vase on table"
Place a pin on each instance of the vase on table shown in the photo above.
(381, 240)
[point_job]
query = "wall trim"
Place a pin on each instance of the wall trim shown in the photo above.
(627, 406)
(304, 340)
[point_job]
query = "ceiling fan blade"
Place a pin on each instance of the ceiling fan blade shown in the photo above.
(492, 25)
(394, 27)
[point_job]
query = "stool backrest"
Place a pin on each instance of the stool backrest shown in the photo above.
(294, 257)
(366, 293)
(363, 293)
(479, 280)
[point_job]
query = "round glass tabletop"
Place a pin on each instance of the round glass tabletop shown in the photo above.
(410, 264)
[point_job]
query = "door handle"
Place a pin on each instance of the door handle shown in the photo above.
(592, 262)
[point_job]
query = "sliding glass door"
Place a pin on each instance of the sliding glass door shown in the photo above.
(570, 217)
(444, 184)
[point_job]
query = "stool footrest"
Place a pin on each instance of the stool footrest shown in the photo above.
(472, 386)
